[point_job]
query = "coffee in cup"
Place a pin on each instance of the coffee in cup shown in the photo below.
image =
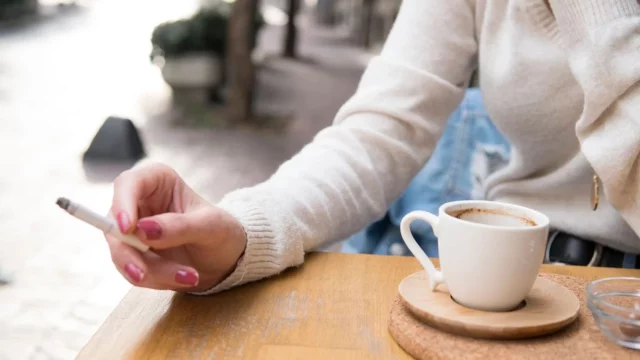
(490, 252)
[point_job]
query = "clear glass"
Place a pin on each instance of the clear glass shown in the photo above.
(615, 306)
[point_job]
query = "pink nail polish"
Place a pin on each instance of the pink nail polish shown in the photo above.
(186, 277)
(151, 229)
(134, 272)
(123, 221)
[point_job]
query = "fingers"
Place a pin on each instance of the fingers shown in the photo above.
(150, 270)
(170, 230)
(166, 274)
(128, 261)
(136, 184)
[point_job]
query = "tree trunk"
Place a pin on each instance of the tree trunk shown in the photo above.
(291, 35)
(240, 69)
(325, 12)
(367, 19)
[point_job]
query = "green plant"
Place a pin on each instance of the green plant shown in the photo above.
(205, 31)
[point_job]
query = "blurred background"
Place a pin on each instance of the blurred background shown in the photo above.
(164, 67)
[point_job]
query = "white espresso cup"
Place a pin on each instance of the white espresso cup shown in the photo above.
(490, 252)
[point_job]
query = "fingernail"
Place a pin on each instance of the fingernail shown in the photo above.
(186, 277)
(151, 229)
(123, 221)
(134, 272)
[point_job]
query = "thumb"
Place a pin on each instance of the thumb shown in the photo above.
(170, 230)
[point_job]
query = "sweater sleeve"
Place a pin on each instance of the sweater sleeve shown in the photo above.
(352, 171)
(602, 38)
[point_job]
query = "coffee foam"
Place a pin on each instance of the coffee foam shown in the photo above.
(459, 214)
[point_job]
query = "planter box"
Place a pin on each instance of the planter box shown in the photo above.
(192, 71)
(193, 78)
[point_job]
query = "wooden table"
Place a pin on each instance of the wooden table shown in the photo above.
(334, 307)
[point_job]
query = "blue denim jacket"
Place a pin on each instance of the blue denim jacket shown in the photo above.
(470, 149)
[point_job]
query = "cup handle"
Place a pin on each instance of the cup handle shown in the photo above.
(435, 276)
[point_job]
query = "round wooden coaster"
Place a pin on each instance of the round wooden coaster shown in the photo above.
(579, 340)
(548, 308)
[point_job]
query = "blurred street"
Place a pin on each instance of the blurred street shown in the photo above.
(60, 78)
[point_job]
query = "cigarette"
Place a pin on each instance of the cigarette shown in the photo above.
(107, 225)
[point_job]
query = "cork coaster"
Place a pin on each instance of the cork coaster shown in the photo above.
(580, 340)
(548, 308)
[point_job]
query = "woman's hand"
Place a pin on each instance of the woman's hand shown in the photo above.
(194, 245)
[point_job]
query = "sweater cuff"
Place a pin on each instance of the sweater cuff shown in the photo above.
(577, 18)
(260, 259)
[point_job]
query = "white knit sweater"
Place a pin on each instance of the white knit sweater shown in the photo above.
(562, 86)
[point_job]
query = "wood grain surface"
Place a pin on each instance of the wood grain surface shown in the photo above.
(335, 306)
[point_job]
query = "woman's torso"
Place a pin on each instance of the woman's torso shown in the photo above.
(534, 100)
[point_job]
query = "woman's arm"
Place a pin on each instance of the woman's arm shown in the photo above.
(382, 136)
(603, 42)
